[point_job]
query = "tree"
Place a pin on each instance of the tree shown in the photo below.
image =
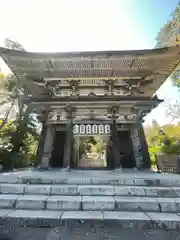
(163, 139)
(169, 35)
(11, 91)
(18, 140)
(4, 94)
(13, 84)
(173, 111)
(18, 145)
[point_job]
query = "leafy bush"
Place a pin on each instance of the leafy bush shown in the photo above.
(165, 139)
(18, 142)
(153, 151)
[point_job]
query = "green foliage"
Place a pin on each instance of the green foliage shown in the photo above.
(153, 151)
(165, 139)
(98, 143)
(12, 84)
(172, 149)
(170, 35)
(18, 142)
(18, 139)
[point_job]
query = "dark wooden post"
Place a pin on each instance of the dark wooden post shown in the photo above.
(139, 144)
(42, 117)
(45, 162)
(68, 150)
(40, 148)
(144, 147)
(115, 139)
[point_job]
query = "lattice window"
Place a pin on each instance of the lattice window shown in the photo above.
(76, 129)
(94, 129)
(101, 129)
(107, 129)
(88, 129)
(82, 129)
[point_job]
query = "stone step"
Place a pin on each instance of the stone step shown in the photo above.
(89, 203)
(91, 177)
(89, 190)
(44, 218)
(118, 180)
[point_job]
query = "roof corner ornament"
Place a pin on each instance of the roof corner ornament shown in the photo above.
(131, 87)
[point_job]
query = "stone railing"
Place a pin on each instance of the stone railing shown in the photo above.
(168, 163)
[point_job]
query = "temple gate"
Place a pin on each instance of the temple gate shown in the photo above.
(105, 94)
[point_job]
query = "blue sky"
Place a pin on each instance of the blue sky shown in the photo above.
(150, 16)
(74, 25)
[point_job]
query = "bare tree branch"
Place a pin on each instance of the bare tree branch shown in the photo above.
(173, 110)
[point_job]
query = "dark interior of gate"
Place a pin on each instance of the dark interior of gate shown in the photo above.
(58, 149)
(126, 150)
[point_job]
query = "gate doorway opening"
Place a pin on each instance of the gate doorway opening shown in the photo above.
(126, 150)
(58, 149)
(91, 151)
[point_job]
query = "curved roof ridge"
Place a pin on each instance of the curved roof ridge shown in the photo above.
(88, 53)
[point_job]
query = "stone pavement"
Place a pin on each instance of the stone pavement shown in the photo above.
(83, 233)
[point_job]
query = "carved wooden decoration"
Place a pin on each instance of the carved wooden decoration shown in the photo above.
(92, 94)
(43, 116)
(113, 112)
(70, 111)
(74, 86)
(52, 116)
(110, 84)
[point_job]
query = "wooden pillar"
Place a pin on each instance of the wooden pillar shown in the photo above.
(140, 147)
(144, 147)
(68, 148)
(68, 145)
(115, 145)
(40, 148)
(42, 118)
(136, 146)
(47, 147)
(73, 156)
(109, 154)
(77, 146)
(115, 138)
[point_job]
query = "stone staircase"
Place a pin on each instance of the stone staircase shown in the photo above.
(49, 200)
